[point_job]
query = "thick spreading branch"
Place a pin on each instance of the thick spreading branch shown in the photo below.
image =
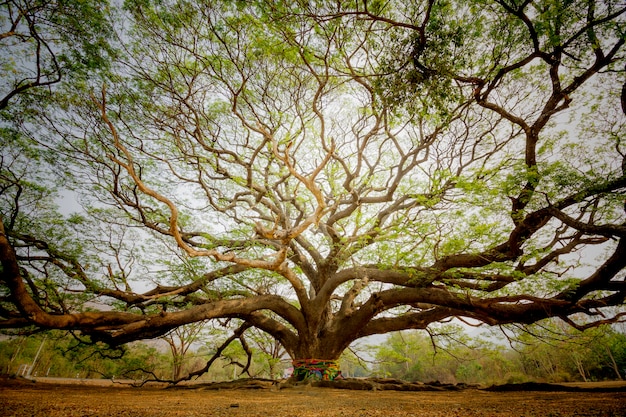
(174, 227)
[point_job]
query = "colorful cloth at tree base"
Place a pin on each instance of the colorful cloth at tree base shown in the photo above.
(317, 369)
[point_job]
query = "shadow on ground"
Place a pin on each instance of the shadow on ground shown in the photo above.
(389, 384)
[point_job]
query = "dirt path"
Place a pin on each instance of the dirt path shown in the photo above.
(55, 400)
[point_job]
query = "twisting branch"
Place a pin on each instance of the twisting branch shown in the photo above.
(237, 334)
(174, 227)
(589, 228)
(308, 181)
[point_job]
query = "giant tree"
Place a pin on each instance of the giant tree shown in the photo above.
(327, 171)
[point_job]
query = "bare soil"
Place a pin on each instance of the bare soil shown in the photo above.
(37, 399)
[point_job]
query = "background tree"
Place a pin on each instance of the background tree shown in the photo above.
(330, 171)
(449, 356)
(270, 354)
(551, 352)
(180, 340)
(62, 355)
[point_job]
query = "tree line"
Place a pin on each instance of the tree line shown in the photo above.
(540, 354)
(448, 354)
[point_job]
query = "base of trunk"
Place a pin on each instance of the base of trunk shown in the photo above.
(316, 369)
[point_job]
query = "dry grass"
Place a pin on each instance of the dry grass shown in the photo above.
(53, 400)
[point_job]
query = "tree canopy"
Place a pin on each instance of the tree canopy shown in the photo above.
(321, 171)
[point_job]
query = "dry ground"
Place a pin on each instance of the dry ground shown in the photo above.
(19, 398)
